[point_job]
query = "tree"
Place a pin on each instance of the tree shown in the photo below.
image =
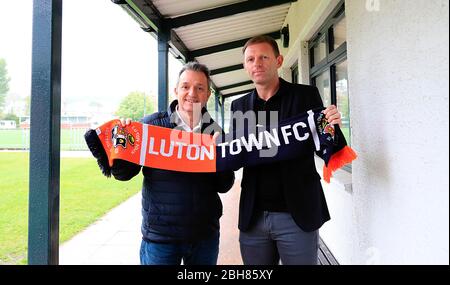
(4, 82)
(27, 105)
(11, 117)
(132, 106)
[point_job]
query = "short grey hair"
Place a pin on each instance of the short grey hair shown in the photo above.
(198, 67)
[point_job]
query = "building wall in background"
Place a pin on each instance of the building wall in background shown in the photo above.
(394, 206)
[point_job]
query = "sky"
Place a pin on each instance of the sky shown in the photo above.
(105, 54)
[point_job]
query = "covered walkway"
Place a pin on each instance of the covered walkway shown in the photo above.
(115, 238)
(211, 32)
(359, 54)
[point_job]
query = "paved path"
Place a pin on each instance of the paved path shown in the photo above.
(116, 237)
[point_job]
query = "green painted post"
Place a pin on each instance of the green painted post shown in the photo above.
(222, 110)
(163, 71)
(43, 219)
(216, 106)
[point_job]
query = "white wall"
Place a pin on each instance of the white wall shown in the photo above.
(394, 207)
(398, 76)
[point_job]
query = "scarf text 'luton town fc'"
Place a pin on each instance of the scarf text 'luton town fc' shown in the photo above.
(177, 150)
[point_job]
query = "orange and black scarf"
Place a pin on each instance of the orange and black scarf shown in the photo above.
(176, 150)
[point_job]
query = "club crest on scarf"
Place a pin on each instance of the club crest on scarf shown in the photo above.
(324, 127)
(120, 137)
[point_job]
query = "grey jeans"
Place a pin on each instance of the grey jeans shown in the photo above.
(275, 236)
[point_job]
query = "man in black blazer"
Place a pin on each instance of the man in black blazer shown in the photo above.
(282, 204)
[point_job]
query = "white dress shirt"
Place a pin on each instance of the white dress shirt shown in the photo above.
(181, 124)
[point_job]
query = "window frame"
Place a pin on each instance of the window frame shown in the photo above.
(326, 31)
(333, 56)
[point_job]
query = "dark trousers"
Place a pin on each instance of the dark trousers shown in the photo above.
(275, 236)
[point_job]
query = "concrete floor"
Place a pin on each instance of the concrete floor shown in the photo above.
(115, 238)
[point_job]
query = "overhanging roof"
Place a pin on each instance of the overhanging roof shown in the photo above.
(212, 32)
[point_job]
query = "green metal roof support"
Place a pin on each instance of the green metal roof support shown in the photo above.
(163, 72)
(43, 219)
(227, 69)
(222, 111)
(216, 107)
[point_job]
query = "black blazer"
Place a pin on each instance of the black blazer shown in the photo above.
(301, 182)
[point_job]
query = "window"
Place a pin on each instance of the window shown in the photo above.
(323, 84)
(320, 51)
(342, 98)
(339, 33)
(328, 65)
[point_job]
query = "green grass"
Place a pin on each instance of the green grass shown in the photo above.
(85, 196)
(20, 138)
(10, 138)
